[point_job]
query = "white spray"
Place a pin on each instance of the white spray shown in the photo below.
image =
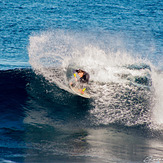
(112, 79)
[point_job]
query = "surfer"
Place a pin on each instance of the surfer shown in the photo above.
(84, 79)
(84, 76)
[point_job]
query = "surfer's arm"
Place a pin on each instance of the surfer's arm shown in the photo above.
(75, 77)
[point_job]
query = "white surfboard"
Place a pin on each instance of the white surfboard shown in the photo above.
(76, 91)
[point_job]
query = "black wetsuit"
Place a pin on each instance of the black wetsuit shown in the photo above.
(85, 78)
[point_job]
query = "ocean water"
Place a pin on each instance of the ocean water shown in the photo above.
(119, 43)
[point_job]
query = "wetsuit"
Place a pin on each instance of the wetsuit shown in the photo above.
(85, 78)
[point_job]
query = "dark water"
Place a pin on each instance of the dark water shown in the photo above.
(119, 43)
(40, 125)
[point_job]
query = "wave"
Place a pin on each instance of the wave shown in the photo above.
(125, 89)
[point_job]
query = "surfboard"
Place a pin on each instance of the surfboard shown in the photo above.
(77, 92)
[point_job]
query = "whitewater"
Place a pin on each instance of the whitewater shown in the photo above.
(125, 89)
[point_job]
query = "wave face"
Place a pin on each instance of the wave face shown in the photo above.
(124, 89)
(43, 123)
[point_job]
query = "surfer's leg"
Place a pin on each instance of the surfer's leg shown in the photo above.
(82, 88)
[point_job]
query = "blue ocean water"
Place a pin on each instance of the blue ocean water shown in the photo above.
(120, 44)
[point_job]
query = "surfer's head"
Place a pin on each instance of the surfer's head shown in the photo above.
(80, 72)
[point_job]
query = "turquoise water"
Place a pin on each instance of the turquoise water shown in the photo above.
(120, 44)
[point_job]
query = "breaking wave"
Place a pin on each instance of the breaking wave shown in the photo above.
(125, 89)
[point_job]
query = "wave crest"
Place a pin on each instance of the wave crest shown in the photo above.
(122, 86)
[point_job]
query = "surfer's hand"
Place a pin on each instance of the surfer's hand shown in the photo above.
(75, 77)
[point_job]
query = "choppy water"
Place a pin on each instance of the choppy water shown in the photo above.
(119, 44)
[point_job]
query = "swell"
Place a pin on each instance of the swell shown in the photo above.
(13, 86)
(13, 97)
(25, 97)
(29, 104)
(29, 98)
